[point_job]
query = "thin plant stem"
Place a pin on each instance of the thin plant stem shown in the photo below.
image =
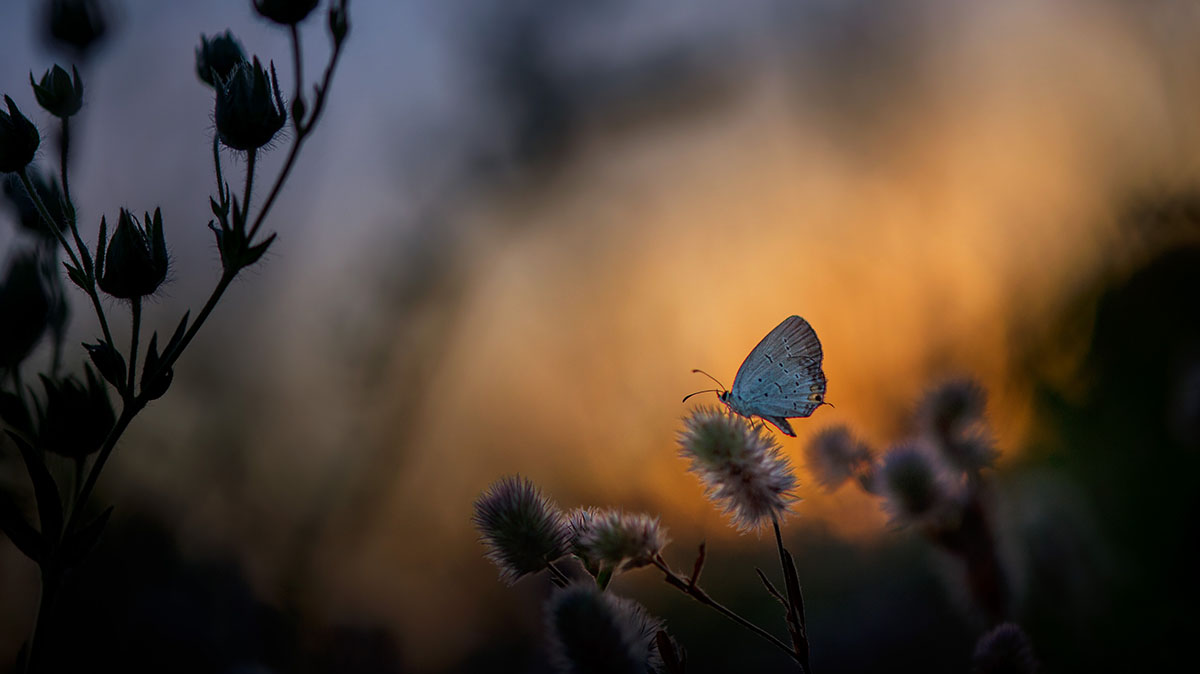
(168, 359)
(604, 577)
(302, 132)
(136, 311)
(697, 593)
(37, 616)
(558, 574)
(41, 209)
(251, 156)
(15, 372)
(217, 166)
(128, 411)
(298, 66)
(795, 602)
(62, 161)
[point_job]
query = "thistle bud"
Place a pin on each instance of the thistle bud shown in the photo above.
(217, 58)
(19, 139)
(25, 305)
(59, 93)
(77, 416)
(741, 465)
(912, 484)
(249, 107)
(617, 539)
(523, 530)
(134, 263)
(834, 455)
(285, 12)
(594, 631)
(1004, 650)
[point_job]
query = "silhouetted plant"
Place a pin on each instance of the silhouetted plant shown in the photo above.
(744, 473)
(935, 482)
(74, 418)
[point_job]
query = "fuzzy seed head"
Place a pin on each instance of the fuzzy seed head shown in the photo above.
(1004, 650)
(741, 466)
(617, 539)
(594, 632)
(952, 406)
(834, 455)
(523, 529)
(951, 418)
(911, 484)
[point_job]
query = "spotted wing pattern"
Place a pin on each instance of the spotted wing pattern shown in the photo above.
(782, 377)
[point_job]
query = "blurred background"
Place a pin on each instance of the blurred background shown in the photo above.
(519, 227)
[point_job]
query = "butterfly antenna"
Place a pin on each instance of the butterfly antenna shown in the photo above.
(707, 390)
(712, 378)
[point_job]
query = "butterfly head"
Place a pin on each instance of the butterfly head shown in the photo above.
(722, 393)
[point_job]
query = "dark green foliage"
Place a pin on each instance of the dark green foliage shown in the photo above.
(109, 362)
(19, 531)
(49, 503)
(77, 416)
(25, 306)
(156, 378)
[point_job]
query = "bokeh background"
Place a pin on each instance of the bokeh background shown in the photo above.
(519, 227)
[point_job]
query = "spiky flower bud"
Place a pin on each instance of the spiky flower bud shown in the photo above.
(79, 24)
(25, 304)
(216, 58)
(134, 263)
(741, 465)
(59, 93)
(1004, 650)
(27, 214)
(19, 139)
(523, 530)
(77, 416)
(834, 455)
(249, 107)
(911, 484)
(285, 12)
(594, 632)
(617, 539)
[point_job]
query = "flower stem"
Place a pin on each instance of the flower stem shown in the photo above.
(301, 134)
(41, 209)
(251, 156)
(136, 311)
(697, 593)
(795, 601)
(298, 66)
(217, 167)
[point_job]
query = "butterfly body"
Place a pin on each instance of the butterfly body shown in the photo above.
(781, 379)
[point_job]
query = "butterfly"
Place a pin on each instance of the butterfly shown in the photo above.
(780, 379)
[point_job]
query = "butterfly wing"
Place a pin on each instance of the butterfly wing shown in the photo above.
(782, 377)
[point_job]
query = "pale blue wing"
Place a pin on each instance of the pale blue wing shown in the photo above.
(782, 376)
